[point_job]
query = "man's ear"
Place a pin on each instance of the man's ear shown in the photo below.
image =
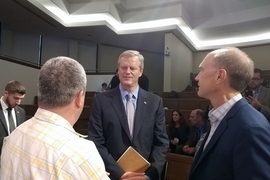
(79, 100)
(141, 72)
(262, 80)
(222, 75)
(5, 93)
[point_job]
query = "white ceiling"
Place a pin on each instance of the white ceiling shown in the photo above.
(200, 24)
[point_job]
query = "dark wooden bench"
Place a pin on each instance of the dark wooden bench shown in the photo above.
(30, 109)
(82, 124)
(181, 95)
(178, 167)
(88, 101)
(90, 93)
(185, 104)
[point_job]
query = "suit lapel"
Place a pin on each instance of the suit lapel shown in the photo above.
(119, 108)
(3, 119)
(219, 131)
(142, 104)
(18, 117)
(202, 153)
(199, 153)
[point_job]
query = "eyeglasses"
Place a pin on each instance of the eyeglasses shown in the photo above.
(255, 79)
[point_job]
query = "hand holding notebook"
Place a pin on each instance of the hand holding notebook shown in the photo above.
(132, 161)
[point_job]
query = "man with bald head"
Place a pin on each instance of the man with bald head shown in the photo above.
(238, 144)
(198, 126)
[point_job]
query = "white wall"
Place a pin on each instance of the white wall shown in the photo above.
(90, 54)
(197, 59)
(94, 81)
(28, 77)
(178, 65)
(259, 54)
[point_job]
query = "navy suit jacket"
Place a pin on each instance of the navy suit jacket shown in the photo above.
(239, 149)
(20, 118)
(108, 129)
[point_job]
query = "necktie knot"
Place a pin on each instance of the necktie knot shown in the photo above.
(129, 96)
(9, 109)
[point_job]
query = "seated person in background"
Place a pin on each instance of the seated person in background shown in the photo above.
(178, 130)
(198, 127)
(46, 146)
(103, 88)
(259, 96)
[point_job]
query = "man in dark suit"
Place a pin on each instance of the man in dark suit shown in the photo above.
(13, 94)
(260, 98)
(238, 144)
(114, 81)
(113, 131)
(198, 126)
(144, 82)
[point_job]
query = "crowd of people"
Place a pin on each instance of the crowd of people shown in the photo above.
(230, 140)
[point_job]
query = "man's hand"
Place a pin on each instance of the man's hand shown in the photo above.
(253, 102)
(190, 150)
(133, 176)
(185, 148)
(173, 142)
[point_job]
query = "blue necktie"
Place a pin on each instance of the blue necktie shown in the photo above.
(130, 110)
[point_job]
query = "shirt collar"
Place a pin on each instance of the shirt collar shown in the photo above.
(53, 118)
(201, 127)
(4, 105)
(219, 113)
(258, 89)
(124, 92)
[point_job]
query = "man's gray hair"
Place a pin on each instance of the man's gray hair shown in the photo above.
(237, 64)
(132, 53)
(60, 80)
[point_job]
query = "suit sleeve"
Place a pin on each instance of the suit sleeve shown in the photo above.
(265, 110)
(95, 133)
(22, 115)
(252, 153)
(191, 142)
(160, 145)
(264, 99)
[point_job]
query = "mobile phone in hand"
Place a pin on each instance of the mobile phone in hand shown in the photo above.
(249, 93)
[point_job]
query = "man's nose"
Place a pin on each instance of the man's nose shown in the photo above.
(128, 70)
(197, 77)
(18, 102)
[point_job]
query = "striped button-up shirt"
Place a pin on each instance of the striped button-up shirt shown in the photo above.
(216, 115)
(47, 147)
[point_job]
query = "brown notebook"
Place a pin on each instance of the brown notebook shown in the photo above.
(132, 161)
